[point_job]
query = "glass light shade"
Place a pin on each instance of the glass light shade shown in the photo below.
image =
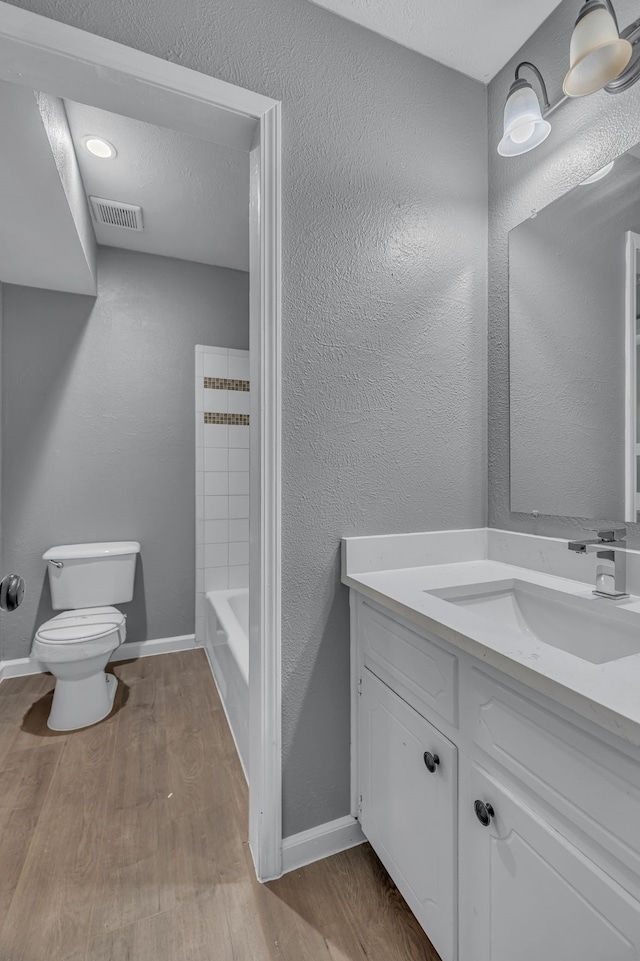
(524, 126)
(597, 53)
(598, 175)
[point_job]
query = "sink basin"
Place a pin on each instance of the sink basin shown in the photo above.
(594, 629)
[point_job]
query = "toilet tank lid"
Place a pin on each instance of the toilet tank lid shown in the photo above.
(104, 549)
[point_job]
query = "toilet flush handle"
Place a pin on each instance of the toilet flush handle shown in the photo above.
(57, 564)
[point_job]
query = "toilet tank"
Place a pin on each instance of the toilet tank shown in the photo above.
(91, 575)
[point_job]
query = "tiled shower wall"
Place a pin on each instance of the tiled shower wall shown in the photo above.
(222, 473)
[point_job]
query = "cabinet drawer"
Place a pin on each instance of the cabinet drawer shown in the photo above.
(419, 670)
(588, 782)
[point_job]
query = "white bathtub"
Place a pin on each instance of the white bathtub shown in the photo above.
(227, 646)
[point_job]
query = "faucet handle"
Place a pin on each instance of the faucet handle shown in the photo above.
(609, 534)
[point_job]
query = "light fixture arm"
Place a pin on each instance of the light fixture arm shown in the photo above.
(610, 8)
(543, 86)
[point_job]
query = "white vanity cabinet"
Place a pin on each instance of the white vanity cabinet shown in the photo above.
(408, 803)
(528, 893)
(523, 843)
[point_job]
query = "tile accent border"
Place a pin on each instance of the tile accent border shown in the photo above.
(222, 441)
(236, 420)
(226, 383)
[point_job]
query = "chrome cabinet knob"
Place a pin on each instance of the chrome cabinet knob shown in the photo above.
(11, 592)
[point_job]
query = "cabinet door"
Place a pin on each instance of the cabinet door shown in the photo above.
(408, 812)
(528, 893)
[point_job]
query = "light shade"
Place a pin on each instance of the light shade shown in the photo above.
(598, 175)
(524, 126)
(597, 53)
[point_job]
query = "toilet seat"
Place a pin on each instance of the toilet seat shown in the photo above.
(76, 627)
(80, 634)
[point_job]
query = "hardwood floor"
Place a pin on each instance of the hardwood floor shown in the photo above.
(127, 841)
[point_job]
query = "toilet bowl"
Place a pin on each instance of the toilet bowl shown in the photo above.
(76, 646)
(85, 580)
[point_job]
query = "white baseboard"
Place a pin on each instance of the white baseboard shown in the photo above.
(320, 842)
(24, 666)
(159, 645)
(20, 667)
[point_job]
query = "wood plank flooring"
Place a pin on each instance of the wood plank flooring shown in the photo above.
(127, 841)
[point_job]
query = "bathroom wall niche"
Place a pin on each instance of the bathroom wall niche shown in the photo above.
(572, 350)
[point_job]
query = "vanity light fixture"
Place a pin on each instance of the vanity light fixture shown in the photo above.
(601, 57)
(598, 53)
(99, 147)
(598, 175)
(524, 125)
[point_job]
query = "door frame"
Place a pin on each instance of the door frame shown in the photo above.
(632, 248)
(49, 56)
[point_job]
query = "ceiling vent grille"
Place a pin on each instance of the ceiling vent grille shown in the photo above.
(116, 214)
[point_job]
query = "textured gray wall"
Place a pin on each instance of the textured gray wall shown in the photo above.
(586, 134)
(384, 314)
(98, 427)
(567, 339)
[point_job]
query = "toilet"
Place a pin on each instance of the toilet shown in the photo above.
(85, 580)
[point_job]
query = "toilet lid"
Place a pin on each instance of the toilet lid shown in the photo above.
(71, 627)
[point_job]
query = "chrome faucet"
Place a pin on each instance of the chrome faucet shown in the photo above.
(611, 574)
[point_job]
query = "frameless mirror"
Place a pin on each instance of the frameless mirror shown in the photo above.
(574, 269)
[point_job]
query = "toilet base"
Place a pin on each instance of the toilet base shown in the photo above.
(79, 703)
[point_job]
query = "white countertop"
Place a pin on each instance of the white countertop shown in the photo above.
(607, 694)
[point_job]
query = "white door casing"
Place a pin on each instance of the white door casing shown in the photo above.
(49, 56)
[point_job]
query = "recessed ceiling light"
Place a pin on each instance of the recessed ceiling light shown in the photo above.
(598, 175)
(99, 147)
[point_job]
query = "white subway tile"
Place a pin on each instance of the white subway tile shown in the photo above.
(216, 483)
(216, 532)
(215, 365)
(200, 458)
(239, 482)
(216, 555)
(199, 556)
(239, 401)
(199, 483)
(238, 437)
(200, 507)
(239, 529)
(216, 435)
(238, 576)
(199, 430)
(238, 506)
(216, 401)
(239, 459)
(216, 578)
(239, 367)
(216, 508)
(199, 398)
(238, 553)
(199, 581)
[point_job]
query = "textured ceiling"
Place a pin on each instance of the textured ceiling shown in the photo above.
(476, 37)
(194, 194)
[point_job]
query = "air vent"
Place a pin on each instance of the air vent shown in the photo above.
(116, 214)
